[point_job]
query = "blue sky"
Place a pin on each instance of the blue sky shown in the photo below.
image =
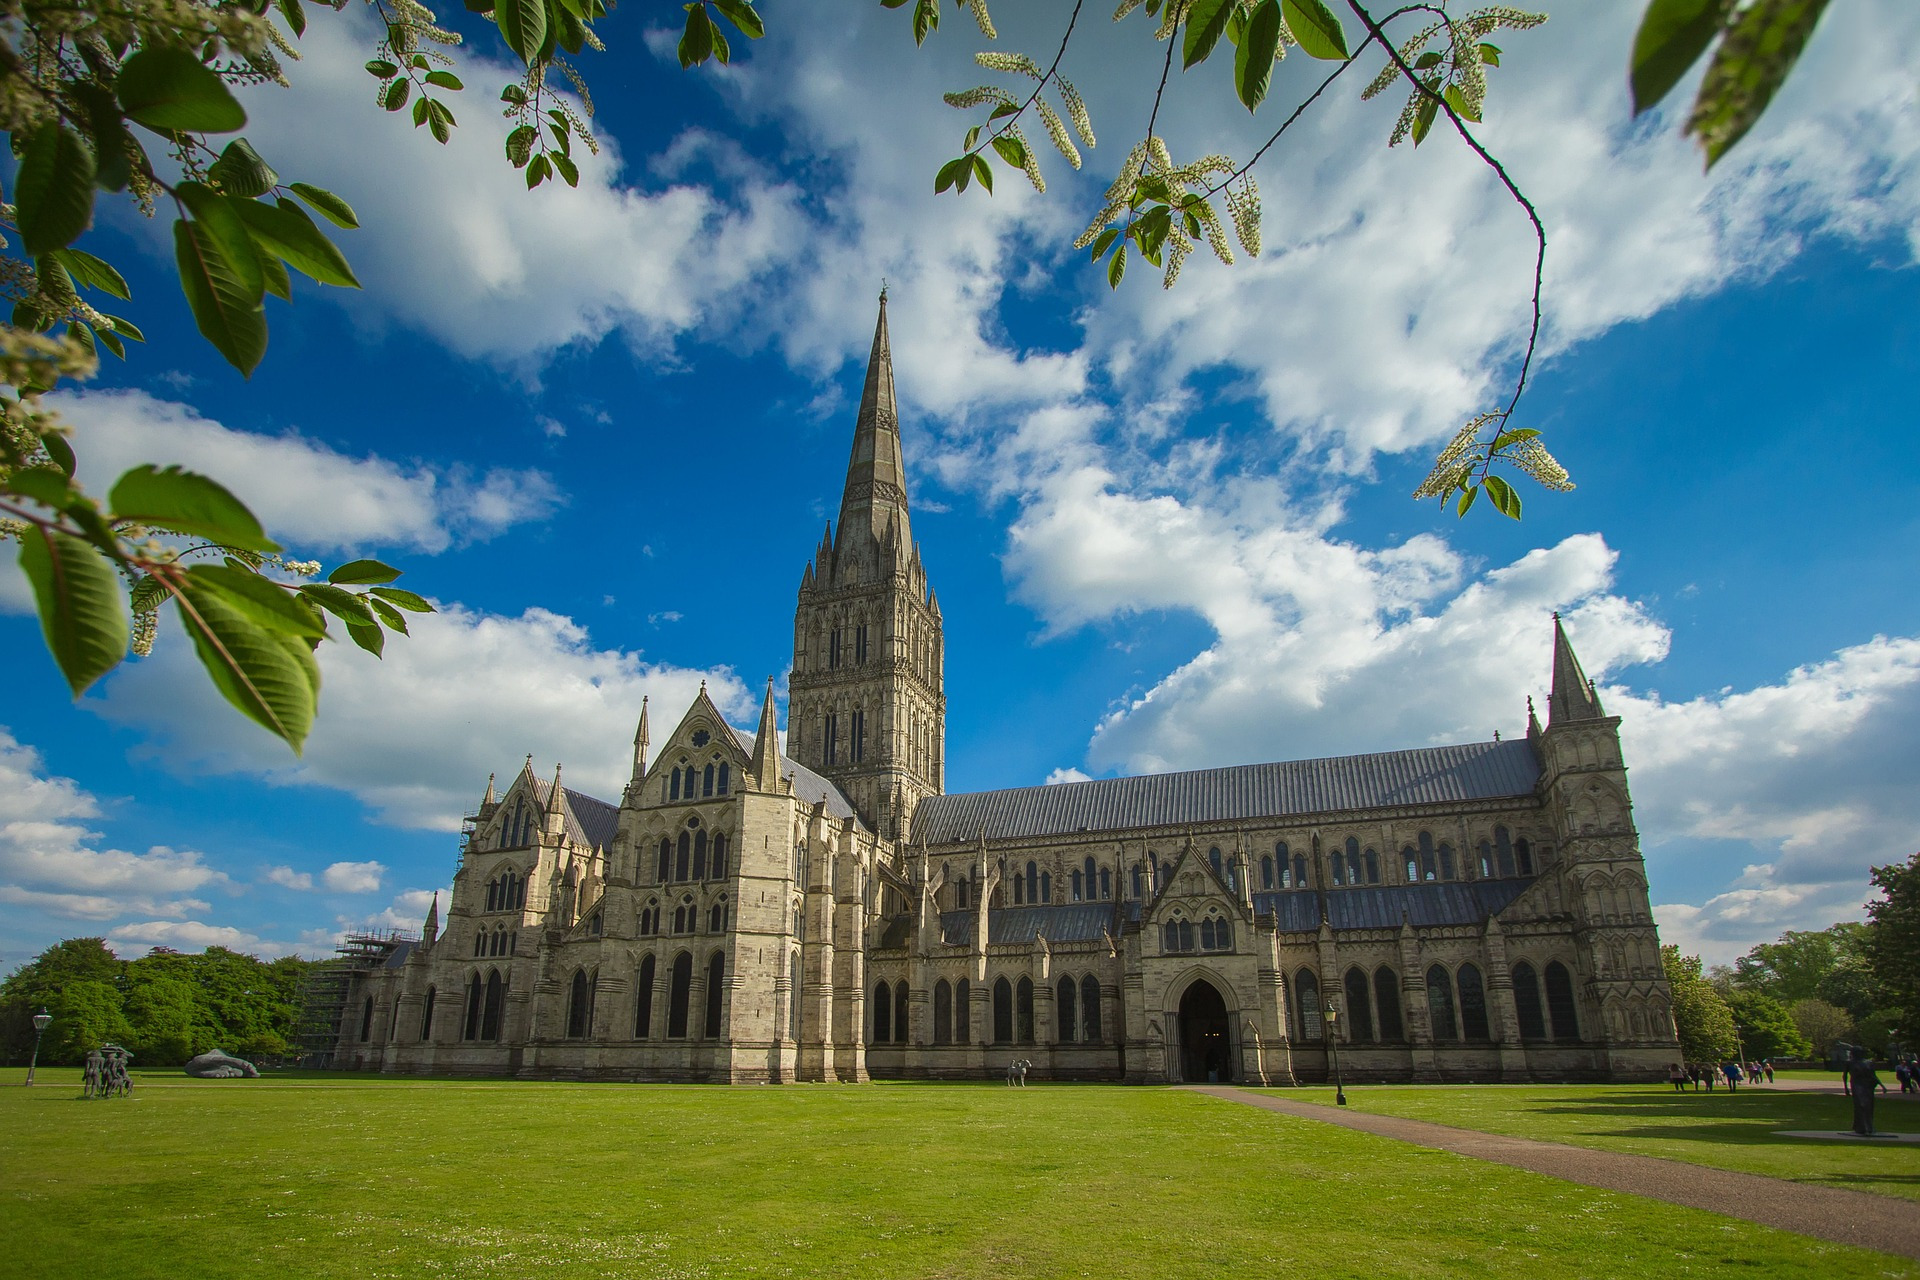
(604, 428)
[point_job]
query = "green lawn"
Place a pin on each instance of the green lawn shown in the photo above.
(1727, 1131)
(365, 1177)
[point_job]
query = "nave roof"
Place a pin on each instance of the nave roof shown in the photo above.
(1420, 776)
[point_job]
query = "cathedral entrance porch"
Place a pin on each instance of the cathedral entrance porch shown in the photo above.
(1205, 1035)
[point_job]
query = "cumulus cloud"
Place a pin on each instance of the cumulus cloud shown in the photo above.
(354, 877)
(1067, 774)
(408, 910)
(288, 878)
(454, 245)
(415, 735)
(190, 935)
(50, 860)
(309, 495)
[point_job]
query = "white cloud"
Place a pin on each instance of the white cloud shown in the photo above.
(408, 910)
(190, 935)
(49, 861)
(415, 735)
(288, 878)
(307, 494)
(354, 877)
(1067, 774)
(454, 244)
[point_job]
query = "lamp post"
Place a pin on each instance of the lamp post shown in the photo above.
(40, 1021)
(1333, 1044)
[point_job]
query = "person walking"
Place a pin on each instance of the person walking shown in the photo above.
(1767, 1065)
(1708, 1074)
(1678, 1078)
(1732, 1071)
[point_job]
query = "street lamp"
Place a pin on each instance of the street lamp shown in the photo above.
(1333, 1043)
(40, 1021)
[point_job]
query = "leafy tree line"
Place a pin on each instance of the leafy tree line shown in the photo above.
(166, 1007)
(1798, 996)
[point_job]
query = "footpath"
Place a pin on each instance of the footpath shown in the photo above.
(1886, 1223)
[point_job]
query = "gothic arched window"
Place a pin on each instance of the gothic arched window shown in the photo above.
(942, 1012)
(579, 1006)
(962, 1012)
(1299, 871)
(1266, 871)
(1440, 1004)
(1023, 1011)
(471, 1030)
(683, 857)
(1093, 871)
(719, 854)
(716, 991)
(673, 790)
(665, 870)
(1503, 850)
(1077, 894)
(426, 1016)
(1386, 1002)
(1090, 1009)
(643, 1001)
(1046, 887)
(1306, 993)
(1526, 1002)
(717, 916)
(706, 788)
(1473, 1003)
(495, 1004)
(1359, 1008)
(1523, 854)
(726, 777)
(1003, 1011)
(1213, 859)
(1446, 862)
(1019, 891)
(1106, 883)
(679, 993)
(1064, 1011)
(900, 1012)
(700, 855)
(1560, 1005)
(882, 1013)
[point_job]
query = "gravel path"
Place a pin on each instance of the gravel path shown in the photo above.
(1886, 1223)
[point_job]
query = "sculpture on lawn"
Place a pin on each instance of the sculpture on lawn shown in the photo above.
(215, 1065)
(106, 1073)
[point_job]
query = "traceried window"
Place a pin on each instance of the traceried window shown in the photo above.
(1386, 1002)
(580, 1005)
(1076, 890)
(900, 1012)
(717, 916)
(1440, 1004)
(833, 649)
(664, 872)
(679, 994)
(830, 739)
(706, 781)
(716, 991)
(700, 855)
(963, 1012)
(1177, 936)
(1473, 1003)
(1359, 1007)
(1023, 1011)
(859, 743)
(493, 1007)
(726, 777)
(1066, 997)
(470, 1030)
(1106, 883)
(719, 868)
(683, 856)
(643, 1002)
(859, 644)
(1526, 1002)
(883, 1013)
(1090, 1009)
(1560, 1004)
(1306, 995)
(1216, 934)
(1003, 1011)
(942, 1012)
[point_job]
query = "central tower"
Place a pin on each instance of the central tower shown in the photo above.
(866, 706)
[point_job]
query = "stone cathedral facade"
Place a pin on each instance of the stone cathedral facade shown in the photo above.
(1469, 912)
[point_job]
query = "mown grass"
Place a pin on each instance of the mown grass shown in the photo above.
(368, 1177)
(1739, 1131)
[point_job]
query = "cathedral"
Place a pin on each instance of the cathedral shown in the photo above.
(828, 912)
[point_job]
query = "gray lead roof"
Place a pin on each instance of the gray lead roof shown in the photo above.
(807, 785)
(1421, 776)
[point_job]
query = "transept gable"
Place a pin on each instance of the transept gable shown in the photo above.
(1188, 886)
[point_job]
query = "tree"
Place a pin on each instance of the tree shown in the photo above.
(1766, 1028)
(86, 1015)
(1823, 1025)
(1892, 944)
(1794, 967)
(91, 86)
(40, 983)
(166, 1017)
(1701, 1018)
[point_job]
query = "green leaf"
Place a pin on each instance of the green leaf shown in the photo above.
(696, 42)
(111, 141)
(1467, 497)
(126, 328)
(405, 599)
(78, 596)
(1748, 68)
(926, 20)
(538, 171)
(440, 121)
(339, 602)
(295, 14)
(1672, 36)
(1117, 268)
(420, 112)
(368, 636)
(1103, 242)
(950, 173)
(742, 15)
(445, 80)
(81, 334)
(514, 95)
(95, 273)
(1490, 54)
(271, 677)
(168, 89)
(221, 225)
(47, 486)
(381, 69)
(520, 145)
(175, 499)
(394, 96)
(1423, 118)
(241, 172)
(1206, 22)
(273, 274)
(1253, 61)
(1461, 107)
(389, 615)
(1503, 498)
(1514, 436)
(60, 451)
(1011, 151)
(567, 169)
(1317, 29)
(1426, 61)
(266, 603)
(983, 171)
(359, 573)
(111, 342)
(722, 51)
(327, 205)
(53, 193)
(226, 315)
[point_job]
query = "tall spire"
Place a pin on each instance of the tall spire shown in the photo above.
(432, 931)
(1573, 696)
(640, 744)
(766, 747)
(876, 490)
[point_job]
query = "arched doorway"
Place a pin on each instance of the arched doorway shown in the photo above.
(1206, 1041)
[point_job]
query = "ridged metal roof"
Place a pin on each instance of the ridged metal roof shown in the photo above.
(1425, 906)
(591, 821)
(1424, 775)
(1071, 922)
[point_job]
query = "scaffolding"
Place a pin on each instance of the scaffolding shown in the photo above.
(327, 986)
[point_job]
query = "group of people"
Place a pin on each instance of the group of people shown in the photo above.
(1907, 1072)
(1729, 1073)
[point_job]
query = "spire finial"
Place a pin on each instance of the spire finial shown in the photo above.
(765, 765)
(883, 291)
